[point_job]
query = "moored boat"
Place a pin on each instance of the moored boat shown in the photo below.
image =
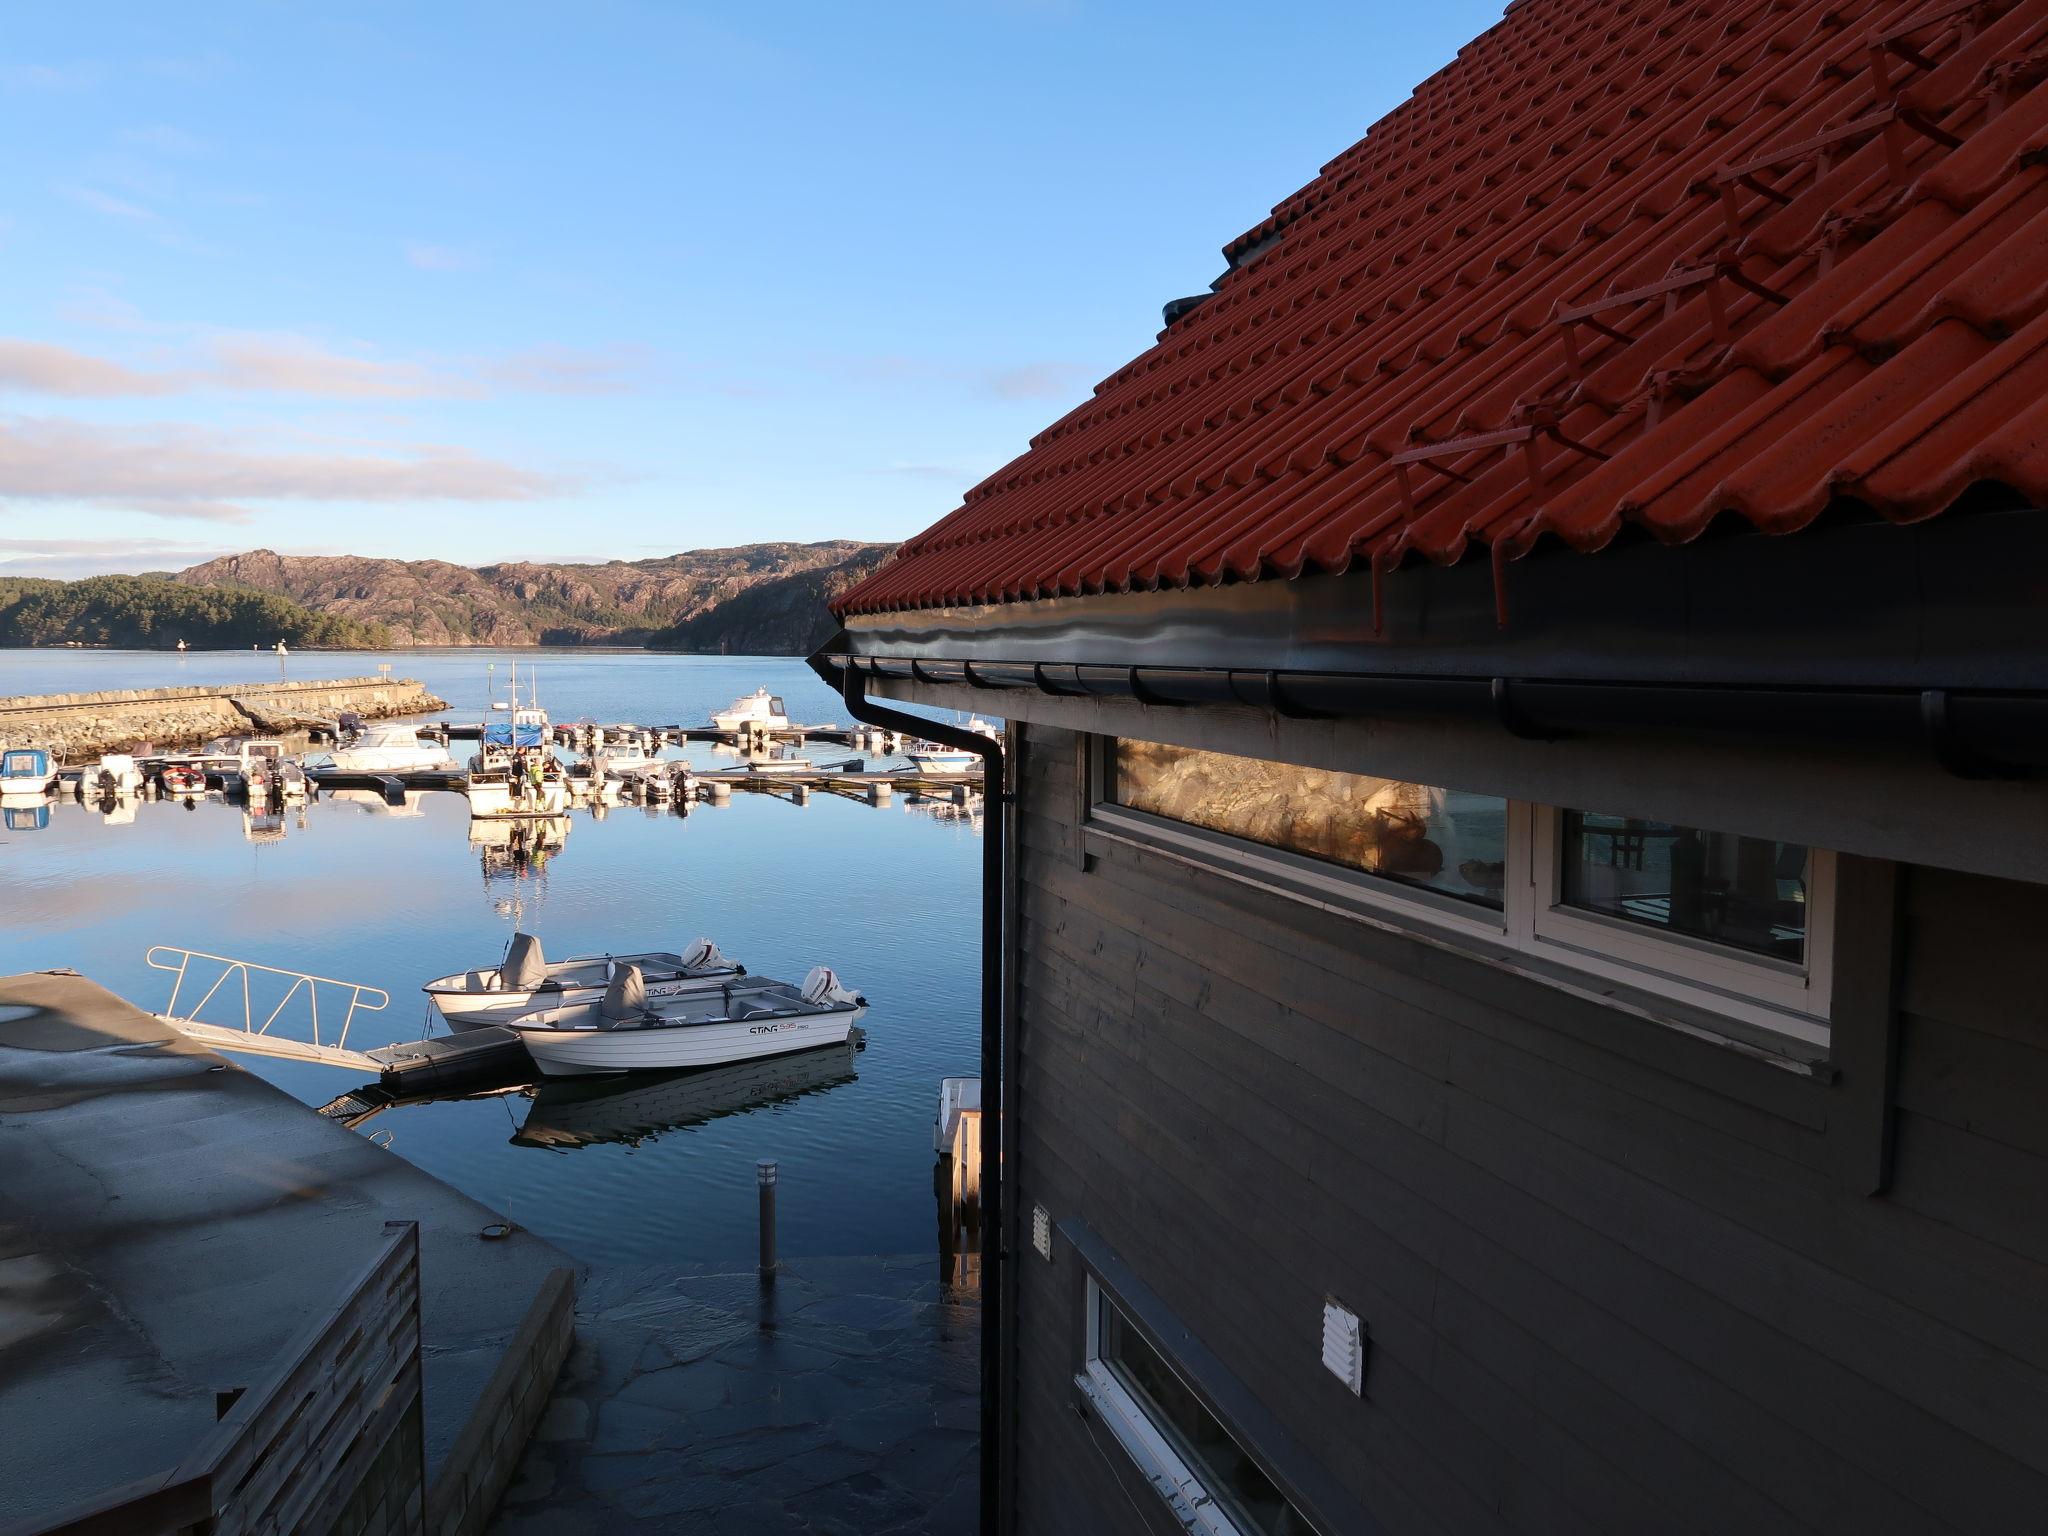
(759, 708)
(114, 774)
(25, 773)
(526, 980)
(386, 749)
(626, 1031)
(182, 779)
(936, 759)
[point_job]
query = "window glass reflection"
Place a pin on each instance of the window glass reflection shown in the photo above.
(1229, 1476)
(1441, 839)
(1745, 892)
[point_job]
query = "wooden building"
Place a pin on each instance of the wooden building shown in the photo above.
(1528, 860)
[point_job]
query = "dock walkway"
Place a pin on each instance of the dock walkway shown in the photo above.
(168, 1223)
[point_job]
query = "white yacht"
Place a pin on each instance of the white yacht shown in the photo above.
(387, 749)
(759, 708)
(738, 1020)
(526, 980)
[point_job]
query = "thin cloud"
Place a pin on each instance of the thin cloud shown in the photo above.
(161, 139)
(183, 471)
(441, 258)
(1026, 381)
(1036, 381)
(143, 220)
(572, 370)
(67, 559)
(39, 368)
(288, 363)
(284, 363)
(50, 77)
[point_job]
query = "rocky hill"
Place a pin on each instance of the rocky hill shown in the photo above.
(621, 602)
(782, 617)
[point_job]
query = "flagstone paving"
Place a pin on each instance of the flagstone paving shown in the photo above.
(844, 1398)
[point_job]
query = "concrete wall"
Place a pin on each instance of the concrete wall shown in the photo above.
(76, 726)
(486, 1453)
(1613, 1277)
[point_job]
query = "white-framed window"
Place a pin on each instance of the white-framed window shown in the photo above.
(1737, 926)
(1183, 1450)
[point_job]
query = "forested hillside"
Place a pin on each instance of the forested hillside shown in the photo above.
(154, 611)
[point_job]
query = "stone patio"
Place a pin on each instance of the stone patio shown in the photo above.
(843, 1399)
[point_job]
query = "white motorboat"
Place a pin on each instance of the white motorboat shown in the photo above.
(759, 708)
(387, 749)
(181, 779)
(525, 980)
(114, 774)
(25, 773)
(935, 759)
(625, 1031)
(777, 761)
(276, 777)
(515, 771)
(229, 754)
(516, 791)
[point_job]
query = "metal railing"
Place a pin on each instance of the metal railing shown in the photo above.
(232, 969)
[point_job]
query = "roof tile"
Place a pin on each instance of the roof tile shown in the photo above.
(1630, 262)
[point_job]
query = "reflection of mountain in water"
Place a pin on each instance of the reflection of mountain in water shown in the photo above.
(569, 1113)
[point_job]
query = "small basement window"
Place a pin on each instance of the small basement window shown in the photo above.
(1182, 1448)
(1737, 926)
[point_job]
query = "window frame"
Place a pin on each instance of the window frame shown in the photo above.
(1788, 1003)
(1149, 1445)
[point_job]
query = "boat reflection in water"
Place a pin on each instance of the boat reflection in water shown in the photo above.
(582, 1112)
(511, 847)
(25, 818)
(567, 1113)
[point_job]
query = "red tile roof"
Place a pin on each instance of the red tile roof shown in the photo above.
(1642, 261)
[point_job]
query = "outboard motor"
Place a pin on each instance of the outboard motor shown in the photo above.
(704, 956)
(822, 990)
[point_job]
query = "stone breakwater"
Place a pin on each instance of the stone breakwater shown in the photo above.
(75, 726)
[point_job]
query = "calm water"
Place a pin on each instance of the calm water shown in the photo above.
(351, 889)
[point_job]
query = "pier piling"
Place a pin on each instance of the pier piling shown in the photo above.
(766, 1173)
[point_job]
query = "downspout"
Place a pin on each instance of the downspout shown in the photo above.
(994, 1275)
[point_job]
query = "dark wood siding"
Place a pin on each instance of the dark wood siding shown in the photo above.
(1615, 1278)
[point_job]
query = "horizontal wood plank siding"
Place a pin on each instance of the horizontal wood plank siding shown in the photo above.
(1612, 1282)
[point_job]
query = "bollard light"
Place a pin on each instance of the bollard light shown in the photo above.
(766, 1173)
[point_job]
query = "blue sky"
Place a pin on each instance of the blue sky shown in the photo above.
(532, 281)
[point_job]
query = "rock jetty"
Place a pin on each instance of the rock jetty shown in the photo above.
(77, 726)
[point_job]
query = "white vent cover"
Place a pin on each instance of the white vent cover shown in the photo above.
(1344, 1346)
(1041, 1231)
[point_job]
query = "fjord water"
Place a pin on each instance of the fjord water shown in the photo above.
(350, 889)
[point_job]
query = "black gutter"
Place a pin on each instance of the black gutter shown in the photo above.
(1974, 733)
(994, 1273)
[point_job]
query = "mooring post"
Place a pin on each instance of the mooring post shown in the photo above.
(765, 1172)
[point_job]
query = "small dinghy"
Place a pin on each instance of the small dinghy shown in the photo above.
(627, 1031)
(525, 980)
(181, 779)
